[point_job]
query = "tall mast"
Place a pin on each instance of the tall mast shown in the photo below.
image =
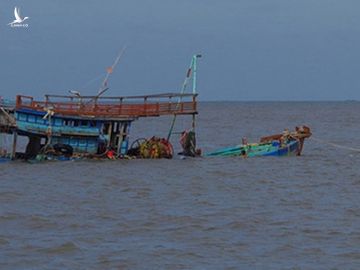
(190, 73)
(194, 64)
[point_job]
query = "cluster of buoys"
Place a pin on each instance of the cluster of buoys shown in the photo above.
(155, 148)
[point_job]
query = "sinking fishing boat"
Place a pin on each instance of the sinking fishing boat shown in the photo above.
(71, 126)
(284, 144)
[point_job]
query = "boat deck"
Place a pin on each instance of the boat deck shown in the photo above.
(112, 107)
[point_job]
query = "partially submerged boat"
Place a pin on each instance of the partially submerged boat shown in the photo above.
(93, 125)
(75, 126)
(284, 144)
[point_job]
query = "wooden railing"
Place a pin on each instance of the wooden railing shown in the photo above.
(117, 107)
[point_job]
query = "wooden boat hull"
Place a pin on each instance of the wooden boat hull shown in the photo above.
(285, 144)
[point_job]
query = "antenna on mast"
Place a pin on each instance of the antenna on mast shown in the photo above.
(110, 70)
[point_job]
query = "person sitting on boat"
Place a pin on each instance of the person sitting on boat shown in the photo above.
(244, 141)
(285, 137)
(111, 154)
(286, 132)
(3, 152)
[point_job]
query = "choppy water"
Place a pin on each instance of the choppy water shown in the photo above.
(207, 213)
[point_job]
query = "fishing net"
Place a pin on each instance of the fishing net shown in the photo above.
(156, 148)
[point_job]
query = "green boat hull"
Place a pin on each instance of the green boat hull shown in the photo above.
(260, 149)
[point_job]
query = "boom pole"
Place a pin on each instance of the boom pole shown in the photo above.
(110, 70)
(190, 73)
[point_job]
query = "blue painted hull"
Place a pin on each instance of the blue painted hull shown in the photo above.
(84, 135)
(4, 160)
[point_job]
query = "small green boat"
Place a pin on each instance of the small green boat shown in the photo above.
(285, 144)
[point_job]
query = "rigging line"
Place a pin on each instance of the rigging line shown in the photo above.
(103, 87)
(109, 71)
(337, 145)
(98, 77)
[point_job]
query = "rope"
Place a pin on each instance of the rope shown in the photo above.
(92, 81)
(48, 115)
(2, 144)
(7, 115)
(337, 145)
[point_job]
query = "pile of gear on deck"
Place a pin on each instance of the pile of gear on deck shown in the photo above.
(153, 148)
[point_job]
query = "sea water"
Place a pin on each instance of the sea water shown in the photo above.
(203, 213)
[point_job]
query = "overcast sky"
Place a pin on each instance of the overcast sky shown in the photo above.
(252, 49)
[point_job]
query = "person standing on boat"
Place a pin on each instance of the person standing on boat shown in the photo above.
(102, 143)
